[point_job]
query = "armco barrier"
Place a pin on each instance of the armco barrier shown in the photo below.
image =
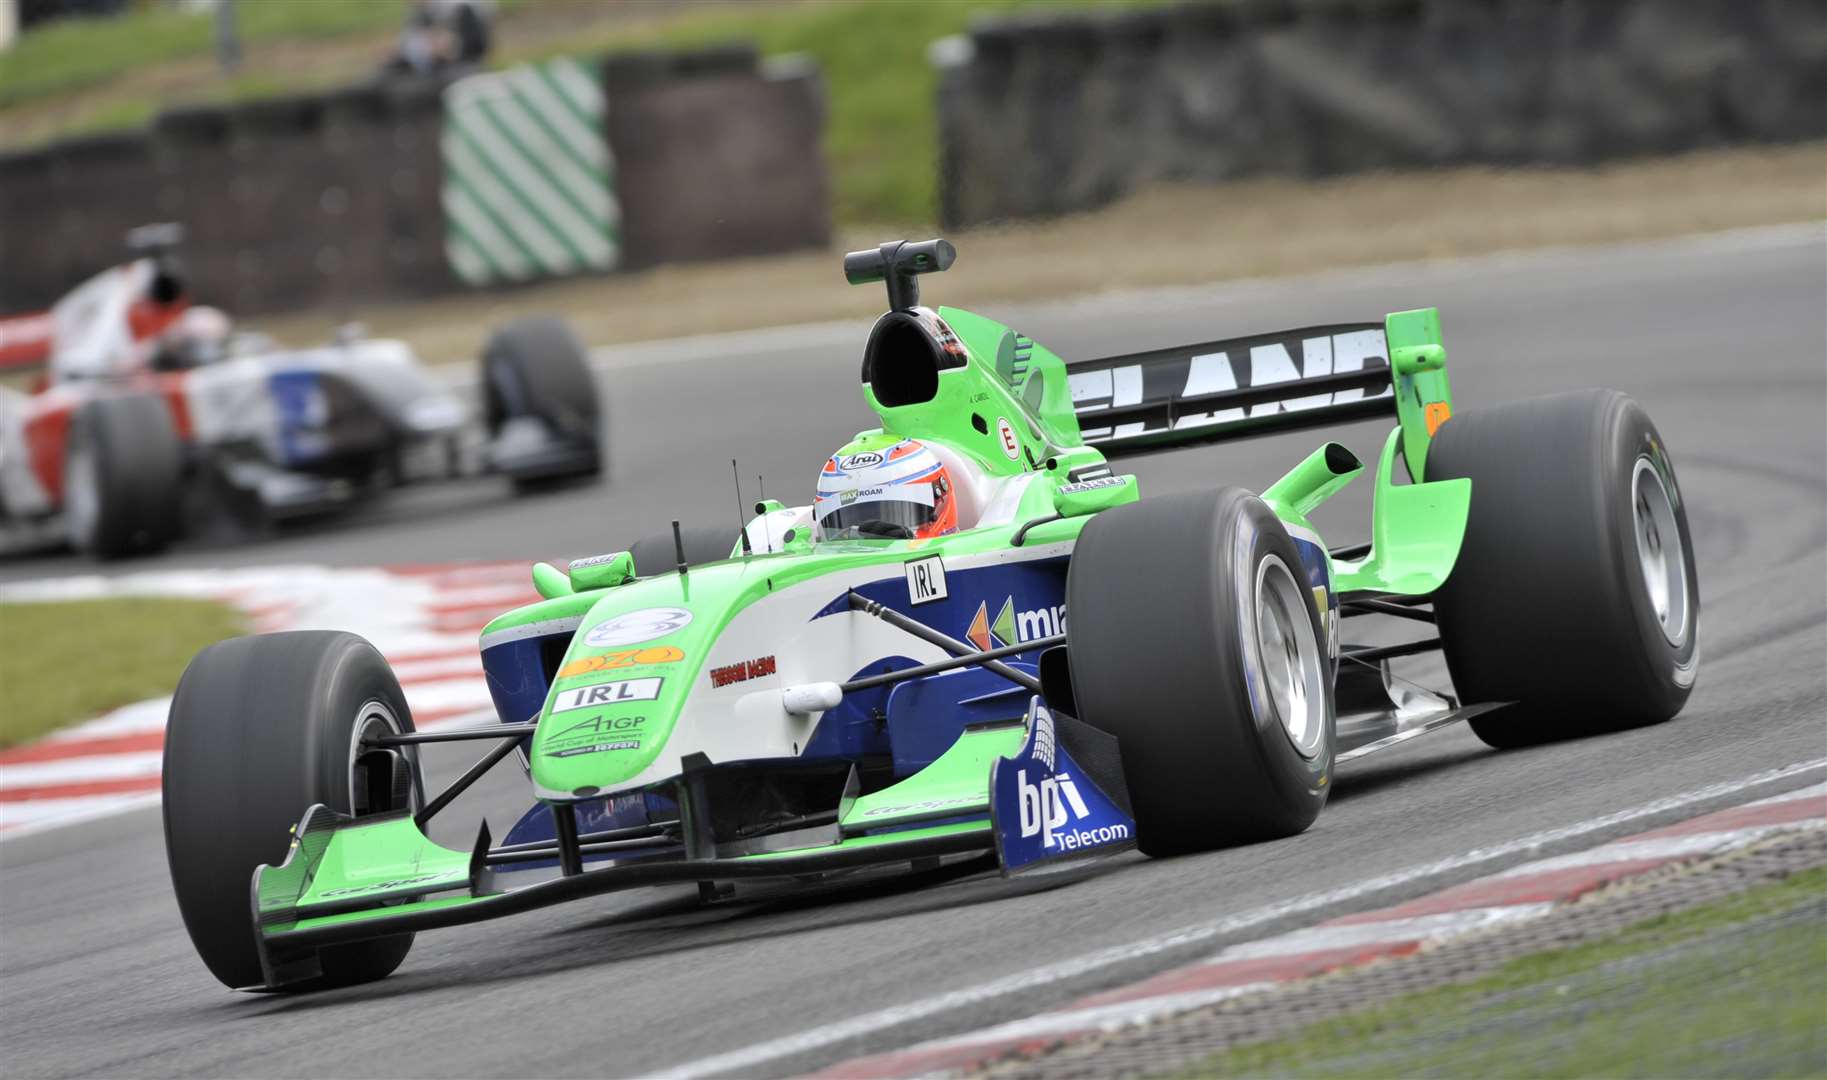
(323, 201)
(1061, 111)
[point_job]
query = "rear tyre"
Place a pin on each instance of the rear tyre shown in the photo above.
(1193, 638)
(657, 554)
(535, 369)
(261, 728)
(1575, 594)
(123, 476)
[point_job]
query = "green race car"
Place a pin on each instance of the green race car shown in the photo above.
(978, 646)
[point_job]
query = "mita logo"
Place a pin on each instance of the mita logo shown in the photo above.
(1011, 627)
(1231, 365)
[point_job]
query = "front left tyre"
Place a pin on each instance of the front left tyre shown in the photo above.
(261, 728)
(1193, 638)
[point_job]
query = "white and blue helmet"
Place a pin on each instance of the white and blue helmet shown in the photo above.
(897, 492)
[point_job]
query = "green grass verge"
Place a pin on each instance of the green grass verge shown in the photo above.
(68, 661)
(1733, 988)
(74, 54)
(882, 137)
(882, 132)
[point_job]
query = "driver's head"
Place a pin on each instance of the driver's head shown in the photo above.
(899, 491)
(198, 336)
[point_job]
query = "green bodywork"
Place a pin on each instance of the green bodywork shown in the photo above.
(579, 753)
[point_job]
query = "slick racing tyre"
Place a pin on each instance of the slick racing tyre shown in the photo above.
(261, 728)
(1575, 594)
(1193, 638)
(123, 477)
(657, 554)
(535, 368)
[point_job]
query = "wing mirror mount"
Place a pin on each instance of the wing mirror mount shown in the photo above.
(601, 571)
(1089, 496)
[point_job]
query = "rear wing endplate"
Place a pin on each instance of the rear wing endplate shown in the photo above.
(1193, 394)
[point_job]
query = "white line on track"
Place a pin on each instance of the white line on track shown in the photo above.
(1656, 848)
(750, 1058)
(1417, 928)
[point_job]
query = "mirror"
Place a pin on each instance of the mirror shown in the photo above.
(1090, 496)
(602, 571)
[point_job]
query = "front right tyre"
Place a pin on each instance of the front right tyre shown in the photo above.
(1192, 636)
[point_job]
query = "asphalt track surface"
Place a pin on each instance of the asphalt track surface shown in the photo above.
(1724, 339)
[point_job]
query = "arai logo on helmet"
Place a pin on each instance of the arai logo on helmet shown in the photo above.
(638, 626)
(869, 459)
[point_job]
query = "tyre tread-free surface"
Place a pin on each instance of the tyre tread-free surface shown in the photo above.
(1155, 635)
(1546, 606)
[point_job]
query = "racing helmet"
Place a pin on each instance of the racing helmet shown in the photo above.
(198, 336)
(880, 490)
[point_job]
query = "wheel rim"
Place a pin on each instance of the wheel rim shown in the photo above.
(81, 493)
(1661, 555)
(375, 718)
(1288, 656)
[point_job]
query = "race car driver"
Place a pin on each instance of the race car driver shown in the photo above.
(870, 491)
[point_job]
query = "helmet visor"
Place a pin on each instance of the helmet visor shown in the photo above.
(898, 517)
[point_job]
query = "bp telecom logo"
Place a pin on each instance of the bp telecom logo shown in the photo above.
(1011, 627)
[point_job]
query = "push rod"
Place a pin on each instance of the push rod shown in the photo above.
(969, 660)
(933, 637)
(462, 783)
(418, 738)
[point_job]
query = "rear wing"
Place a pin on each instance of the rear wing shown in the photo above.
(1193, 394)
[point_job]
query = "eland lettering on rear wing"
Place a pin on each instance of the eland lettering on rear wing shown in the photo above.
(1186, 395)
(1233, 388)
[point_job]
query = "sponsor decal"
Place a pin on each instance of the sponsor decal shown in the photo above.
(742, 671)
(600, 725)
(1011, 627)
(634, 627)
(1043, 808)
(929, 804)
(1049, 805)
(865, 460)
(596, 560)
(609, 693)
(926, 580)
(595, 735)
(1005, 431)
(379, 886)
(595, 748)
(1248, 362)
(621, 658)
(1091, 485)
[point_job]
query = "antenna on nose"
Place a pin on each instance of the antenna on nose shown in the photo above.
(897, 262)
